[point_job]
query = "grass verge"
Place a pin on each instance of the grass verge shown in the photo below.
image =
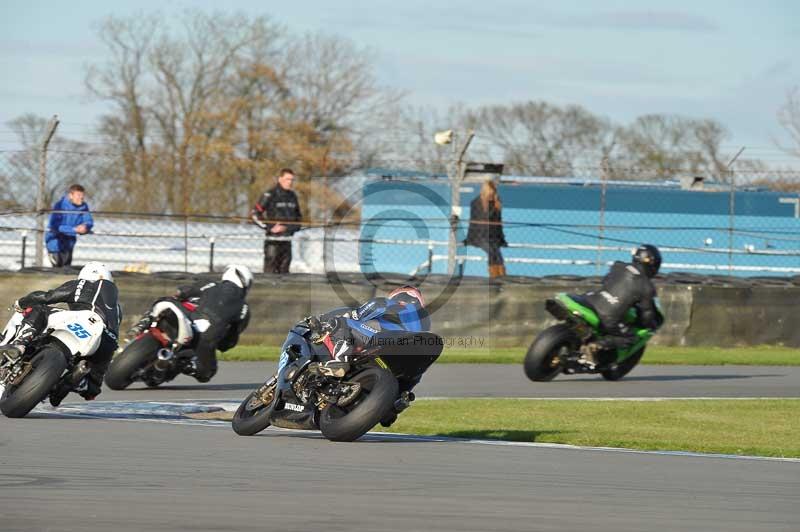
(699, 356)
(742, 427)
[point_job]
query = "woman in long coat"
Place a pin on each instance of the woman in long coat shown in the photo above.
(486, 227)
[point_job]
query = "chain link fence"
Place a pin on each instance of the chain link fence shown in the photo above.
(746, 224)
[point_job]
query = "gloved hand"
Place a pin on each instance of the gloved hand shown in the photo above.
(320, 329)
(15, 307)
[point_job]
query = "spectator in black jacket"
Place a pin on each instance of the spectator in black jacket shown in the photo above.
(486, 227)
(275, 212)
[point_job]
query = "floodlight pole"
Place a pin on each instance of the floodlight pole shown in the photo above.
(40, 195)
(457, 173)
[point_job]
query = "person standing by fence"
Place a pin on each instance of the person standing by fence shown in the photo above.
(486, 227)
(70, 217)
(274, 212)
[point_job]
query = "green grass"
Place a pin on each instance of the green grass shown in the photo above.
(699, 356)
(743, 427)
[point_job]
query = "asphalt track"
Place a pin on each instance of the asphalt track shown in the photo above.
(95, 474)
(236, 379)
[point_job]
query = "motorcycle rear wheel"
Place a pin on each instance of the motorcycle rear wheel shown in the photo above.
(48, 367)
(134, 357)
(379, 390)
(542, 359)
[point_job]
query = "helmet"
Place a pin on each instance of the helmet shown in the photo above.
(95, 271)
(406, 295)
(238, 275)
(649, 257)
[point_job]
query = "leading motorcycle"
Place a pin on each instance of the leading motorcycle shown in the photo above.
(564, 348)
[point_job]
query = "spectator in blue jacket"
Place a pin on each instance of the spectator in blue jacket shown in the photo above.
(70, 217)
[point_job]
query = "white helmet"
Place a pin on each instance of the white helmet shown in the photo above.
(95, 271)
(238, 275)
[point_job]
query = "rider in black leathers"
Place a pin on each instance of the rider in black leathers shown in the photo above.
(94, 290)
(625, 286)
(220, 317)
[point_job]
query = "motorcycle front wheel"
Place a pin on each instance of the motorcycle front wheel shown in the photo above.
(253, 415)
(623, 368)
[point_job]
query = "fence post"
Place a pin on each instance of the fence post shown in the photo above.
(602, 227)
(732, 207)
(24, 244)
(211, 254)
(40, 206)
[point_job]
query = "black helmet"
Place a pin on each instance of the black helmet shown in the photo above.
(649, 257)
(407, 295)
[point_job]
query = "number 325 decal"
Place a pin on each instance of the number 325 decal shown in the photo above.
(78, 330)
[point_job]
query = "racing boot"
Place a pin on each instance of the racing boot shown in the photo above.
(90, 390)
(589, 354)
(142, 325)
(17, 347)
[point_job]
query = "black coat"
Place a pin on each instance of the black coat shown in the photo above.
(482, 234)
(279, 205)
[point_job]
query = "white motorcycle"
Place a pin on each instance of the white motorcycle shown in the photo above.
(54, 360)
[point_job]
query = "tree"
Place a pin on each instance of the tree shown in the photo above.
(789, 119)
(667, 146)
(223, 104)
(542, 139)
(68, 162)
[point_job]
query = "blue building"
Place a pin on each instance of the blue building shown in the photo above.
(558, 226)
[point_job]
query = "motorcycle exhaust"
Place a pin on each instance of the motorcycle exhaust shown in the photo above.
(163, 361)
(81, 370)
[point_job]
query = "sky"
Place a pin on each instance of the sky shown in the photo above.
(733, 61)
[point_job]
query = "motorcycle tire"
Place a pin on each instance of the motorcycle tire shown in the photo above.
(540, 361)
(48, 367)
(134, 357)
(624, 367)
(355, 420)
(253, 415)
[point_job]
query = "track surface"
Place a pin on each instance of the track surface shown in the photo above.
(236, 379)
(98, 474)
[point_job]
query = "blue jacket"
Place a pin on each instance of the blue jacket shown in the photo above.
(61, 235)
(390, 315)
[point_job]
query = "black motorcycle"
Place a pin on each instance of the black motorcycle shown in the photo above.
(160, 353)
(344, 400)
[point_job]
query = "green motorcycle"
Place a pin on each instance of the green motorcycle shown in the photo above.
(577, 344)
